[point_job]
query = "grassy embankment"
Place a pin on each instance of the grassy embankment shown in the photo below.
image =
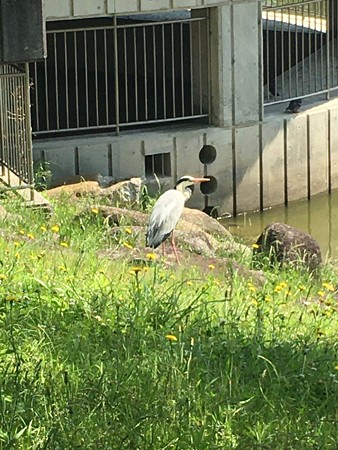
(97, 354)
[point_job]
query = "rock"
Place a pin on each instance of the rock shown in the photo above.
(73, 191)
(124, 192)
(116, 216)
(202, 221)
(285, 244)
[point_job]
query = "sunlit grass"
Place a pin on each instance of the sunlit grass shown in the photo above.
(99, 353)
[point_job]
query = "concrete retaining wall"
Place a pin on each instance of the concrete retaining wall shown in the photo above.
(286, 158)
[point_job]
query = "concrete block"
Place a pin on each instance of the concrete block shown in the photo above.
(296, 142)
(333, 124)
(61, 8)
(247, 168)
(213, 2)
(184, 3)
(94, 158)
(154, 5)
(61, 160)
(118, 6)
(127, 156)
(318, 151)
(246, 64)
(273, 162)
(88, 7)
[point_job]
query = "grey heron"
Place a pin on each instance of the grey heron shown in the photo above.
(167, 212)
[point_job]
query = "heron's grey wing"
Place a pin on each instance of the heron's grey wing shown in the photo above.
(164, 217)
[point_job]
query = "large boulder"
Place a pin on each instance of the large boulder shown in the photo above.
(282, 243)
(122, 193)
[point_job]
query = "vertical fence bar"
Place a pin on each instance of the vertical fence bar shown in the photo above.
(145, 73)
(155, 72)
(173, 92)
(135, 74)
(96, 80)
(163, 74)
(76, 82)
(86, 75)
(125, 73)
(66, 78)
(116, 66)
(56, 84)
(106, 75)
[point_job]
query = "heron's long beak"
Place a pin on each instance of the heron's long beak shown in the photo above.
(200, 180)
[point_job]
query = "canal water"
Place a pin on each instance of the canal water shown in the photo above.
(318, 217)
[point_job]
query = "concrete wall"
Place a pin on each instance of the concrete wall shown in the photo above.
(69, 9)
(288, 157)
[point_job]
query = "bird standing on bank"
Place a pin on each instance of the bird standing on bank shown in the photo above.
(167, 212)
(294, 106)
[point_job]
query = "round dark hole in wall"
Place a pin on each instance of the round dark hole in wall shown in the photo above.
(209, 187)
(207, 154)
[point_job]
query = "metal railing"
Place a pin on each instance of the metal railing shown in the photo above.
(126, 73)
(16, 167)
(299, 48)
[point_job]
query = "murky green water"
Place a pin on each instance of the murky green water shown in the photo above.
(318, 217)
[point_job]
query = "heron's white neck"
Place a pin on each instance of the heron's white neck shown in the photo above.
(186, 190)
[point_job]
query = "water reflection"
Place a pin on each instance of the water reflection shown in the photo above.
(318, 217)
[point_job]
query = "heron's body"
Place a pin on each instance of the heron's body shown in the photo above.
(167, 212)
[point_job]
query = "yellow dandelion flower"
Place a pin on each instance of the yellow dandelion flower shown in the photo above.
(302, 288)
(135, 270)
(189, 283)
(283, 284)
(30, 236)
(22, 232)
(254, 302)
(17, 255)
(151, 256)
(64, 244)
(321, 293)
(55, 228)
(41, 255)
(10, 298)
(3, 276)
(63, 268)
(268, 298)
(252, 288)
(171, 337)
(211, 266)
(128, 230)
(43, 229)
(101, 271)
(278, 288)
(172, 277)
(255, 246)
(328, 286)
(336, 367)
(95, 211)
(125, 244)
(16, 244)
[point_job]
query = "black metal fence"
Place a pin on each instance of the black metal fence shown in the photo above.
(299, 48)
(124, 73)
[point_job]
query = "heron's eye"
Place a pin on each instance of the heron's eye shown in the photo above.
(191, 187)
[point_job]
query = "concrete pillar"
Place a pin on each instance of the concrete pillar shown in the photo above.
(220, 63)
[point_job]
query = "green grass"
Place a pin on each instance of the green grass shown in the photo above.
(97, 354)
